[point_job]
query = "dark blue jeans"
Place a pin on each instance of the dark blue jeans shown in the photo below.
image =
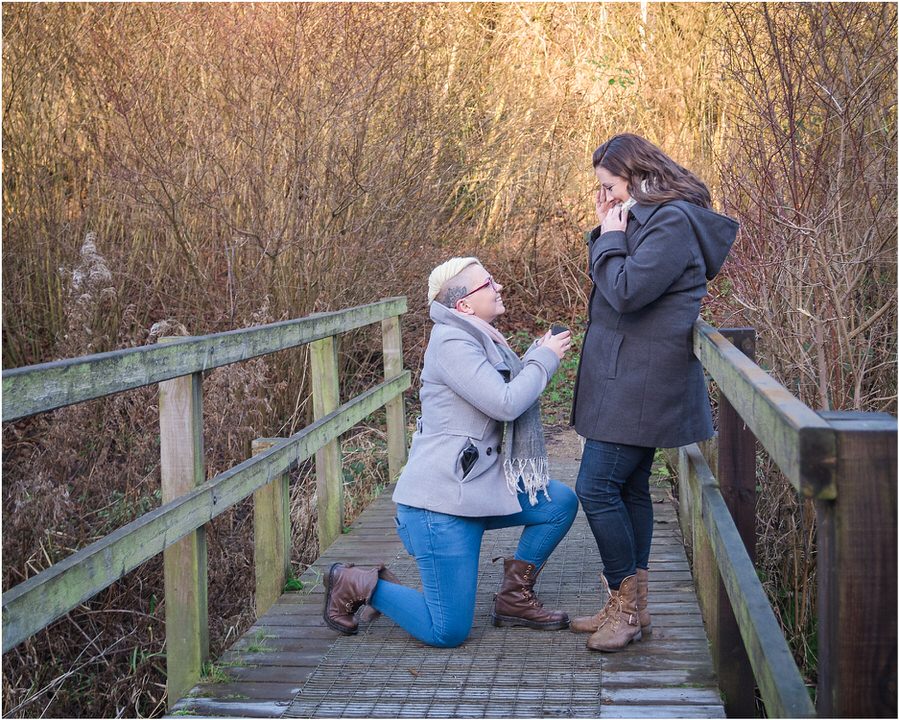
(613, 487)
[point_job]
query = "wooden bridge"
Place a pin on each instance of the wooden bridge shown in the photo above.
(695, 665)
(291, 664)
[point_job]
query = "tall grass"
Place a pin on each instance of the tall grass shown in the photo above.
(243, 163)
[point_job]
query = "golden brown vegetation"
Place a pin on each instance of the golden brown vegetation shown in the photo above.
(810, 171)
(241, 164)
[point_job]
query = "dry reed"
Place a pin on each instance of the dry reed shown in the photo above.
(245, 163)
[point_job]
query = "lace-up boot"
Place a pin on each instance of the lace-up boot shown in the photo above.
(347, 588)
(517, 604)
(621, 624)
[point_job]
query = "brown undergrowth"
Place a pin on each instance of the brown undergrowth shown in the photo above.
(240, 164)
(93, 467)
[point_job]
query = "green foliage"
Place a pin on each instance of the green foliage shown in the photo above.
(293, 584)
(610, 72)
(213, 673)
(555, 403)
(660, 472)
(139, 656)
(257, 644)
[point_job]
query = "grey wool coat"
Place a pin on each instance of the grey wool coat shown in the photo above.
(464, 400)
(638, 381)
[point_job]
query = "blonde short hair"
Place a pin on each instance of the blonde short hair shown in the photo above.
(445, 272)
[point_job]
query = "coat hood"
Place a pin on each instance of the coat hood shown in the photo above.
(714, 232)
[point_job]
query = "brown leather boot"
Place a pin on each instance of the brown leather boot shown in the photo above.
(367, 613)
(516, 604)
(621, 624)
(591, 623)
(346, 588)
(642, 599)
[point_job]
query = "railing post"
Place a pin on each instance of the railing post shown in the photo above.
(329, 473)
(181, 470)
(706, 576)
(736, 479)
(857, 571)
(271, 534)
(396, 413)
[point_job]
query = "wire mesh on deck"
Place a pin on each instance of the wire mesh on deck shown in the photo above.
(497, 672)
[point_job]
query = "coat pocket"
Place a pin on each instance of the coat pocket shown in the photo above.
(613, 350)
(467, 458)
(467, 421)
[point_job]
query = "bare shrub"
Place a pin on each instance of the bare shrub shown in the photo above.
(809, 167)
(246, 163)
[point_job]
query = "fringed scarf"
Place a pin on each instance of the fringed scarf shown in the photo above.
(525, 464)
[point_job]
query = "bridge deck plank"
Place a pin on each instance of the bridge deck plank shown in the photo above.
(290, 664)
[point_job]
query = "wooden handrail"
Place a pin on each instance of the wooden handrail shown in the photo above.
(39, 388)
(796, 438)
(35, 603)
(177, 528)
(780, 682)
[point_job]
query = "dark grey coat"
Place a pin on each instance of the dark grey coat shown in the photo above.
(638, 380)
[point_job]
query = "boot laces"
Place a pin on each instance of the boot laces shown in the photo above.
(612, 611)
(528, 589)
(353, 605)
(619, 612)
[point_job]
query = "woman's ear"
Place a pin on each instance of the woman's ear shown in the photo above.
(463, 307)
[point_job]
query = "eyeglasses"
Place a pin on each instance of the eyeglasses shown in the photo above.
(489, 282)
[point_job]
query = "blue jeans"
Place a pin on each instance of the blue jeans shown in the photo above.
(613, 487)
(447, 549)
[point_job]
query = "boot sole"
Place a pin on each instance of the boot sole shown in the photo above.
(506, 621)
(637, 637)
(330, 623)
(647, 630)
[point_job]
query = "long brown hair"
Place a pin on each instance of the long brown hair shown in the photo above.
(652, 177)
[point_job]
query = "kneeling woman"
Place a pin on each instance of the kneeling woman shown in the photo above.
(477, 463)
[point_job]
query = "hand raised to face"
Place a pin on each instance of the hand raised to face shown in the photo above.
(616, 219)
(604, 203)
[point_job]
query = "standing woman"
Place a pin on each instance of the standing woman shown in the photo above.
(639, 386)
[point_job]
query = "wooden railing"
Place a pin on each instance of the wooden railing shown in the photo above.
(845, 462)
(189, 501)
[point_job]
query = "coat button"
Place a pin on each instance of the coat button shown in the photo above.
(489, 450)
